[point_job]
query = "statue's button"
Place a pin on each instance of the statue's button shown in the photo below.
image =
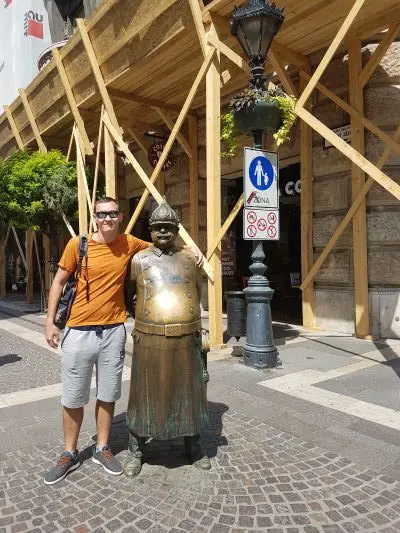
(146, 312)
(189, 294)
(191, 310)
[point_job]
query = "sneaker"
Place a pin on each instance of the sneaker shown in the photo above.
(106, 459)
(67, 463)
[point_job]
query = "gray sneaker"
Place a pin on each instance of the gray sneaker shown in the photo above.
(106, 459)
(67, 463)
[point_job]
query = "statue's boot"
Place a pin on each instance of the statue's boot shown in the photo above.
(195, 452)
(133, 461)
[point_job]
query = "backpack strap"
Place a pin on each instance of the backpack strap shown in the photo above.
(83, 253)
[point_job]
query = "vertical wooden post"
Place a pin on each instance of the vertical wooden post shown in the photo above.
(82, 201)
(3, 267)
(194, 178)
(110, 166)
(213, 110)
(306, 210)
(29, 265)
(360, 247)
(47, 273)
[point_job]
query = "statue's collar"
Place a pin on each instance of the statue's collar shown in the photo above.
(158, 252)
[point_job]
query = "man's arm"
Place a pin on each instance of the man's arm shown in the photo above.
(52, 332)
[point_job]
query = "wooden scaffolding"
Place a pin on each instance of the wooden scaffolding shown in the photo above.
(135, 64)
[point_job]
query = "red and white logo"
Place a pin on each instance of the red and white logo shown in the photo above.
(33, 25)
(7, 3)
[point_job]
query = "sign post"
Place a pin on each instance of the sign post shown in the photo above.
(260, 223)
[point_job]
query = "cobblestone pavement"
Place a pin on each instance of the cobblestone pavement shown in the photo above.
(262, 480)
(23, 367)
(265, 475)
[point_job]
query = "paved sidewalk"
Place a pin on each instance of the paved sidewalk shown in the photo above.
(310, 447)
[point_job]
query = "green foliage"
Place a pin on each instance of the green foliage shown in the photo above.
(248, 100)
(35, 187)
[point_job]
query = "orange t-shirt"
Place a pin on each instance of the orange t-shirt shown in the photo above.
(106, 270)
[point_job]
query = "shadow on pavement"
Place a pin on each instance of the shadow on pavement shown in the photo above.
(168, 453)
(9, 358)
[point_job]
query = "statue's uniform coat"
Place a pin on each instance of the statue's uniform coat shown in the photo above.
(167, 395)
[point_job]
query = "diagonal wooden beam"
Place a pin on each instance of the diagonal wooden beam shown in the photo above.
(330, 52)
(289, 55)
(72, 102)
(228, 52)
(282, 74)
(32, 121)
(149, 185)
(180, 137)
(13, 127)
(354, 156)
(373, 128)
(378, 54)
(137, 140)
(81, 166)
(225, 226)
(98, 76)
(179, 121)
(198, 23)
(347, 218)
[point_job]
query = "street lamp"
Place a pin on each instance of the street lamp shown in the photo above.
(255, 25)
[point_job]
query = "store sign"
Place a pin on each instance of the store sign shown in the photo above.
(290, 188)
(344, 132)
(260, 224)
(261, 174)
(154, 155)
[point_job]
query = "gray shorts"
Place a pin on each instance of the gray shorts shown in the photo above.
(83, 347)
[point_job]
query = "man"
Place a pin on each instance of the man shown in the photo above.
(94, 335)
(168, 396)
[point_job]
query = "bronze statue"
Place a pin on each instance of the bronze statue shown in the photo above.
(167, 396)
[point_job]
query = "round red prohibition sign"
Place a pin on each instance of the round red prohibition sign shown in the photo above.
(271, 231)
(251, 217)
(261, 224)
(251, 231)
(271, 218)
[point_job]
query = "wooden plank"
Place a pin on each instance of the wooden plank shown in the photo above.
(213, 165)
(374, 25)
(194, 178)
(29, 270)
(96, 169)
(395, 146)
(179, 136)
(354, 156)
(213, 40)
(226, 225)
(3, 263)
(198, 23)
(171, 139)
(71, 142)
(347, 218)
(98, 76)
(80, 159)
(150, 186)
(69, 227)
(32, 121)
(360, 246)
(136, 99)
(284, 77)
(13, 127)
(23, 257)
(290, 55)
(378, 54)
(82, 202)
(306, 221)
(47, 270)
(72, 102)
(330, 52)
(110, 163)
(137, 140)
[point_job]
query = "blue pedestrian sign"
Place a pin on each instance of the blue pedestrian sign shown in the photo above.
(261, 179)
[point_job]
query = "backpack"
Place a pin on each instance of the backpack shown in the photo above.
(69, 292)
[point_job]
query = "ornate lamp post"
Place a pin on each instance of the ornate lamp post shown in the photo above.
(255, 25)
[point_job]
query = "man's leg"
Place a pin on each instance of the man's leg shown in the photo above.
(104, 416)
(72, 421)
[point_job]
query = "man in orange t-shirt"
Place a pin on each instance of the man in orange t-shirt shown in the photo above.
(94, 335)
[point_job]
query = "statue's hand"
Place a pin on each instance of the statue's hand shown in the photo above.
(197, 253)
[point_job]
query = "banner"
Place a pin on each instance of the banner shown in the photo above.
(24, 35)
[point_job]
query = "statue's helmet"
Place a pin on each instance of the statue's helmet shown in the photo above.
(164, 213)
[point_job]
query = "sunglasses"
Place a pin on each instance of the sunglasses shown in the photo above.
(102, 215)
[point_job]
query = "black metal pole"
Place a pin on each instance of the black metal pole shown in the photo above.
(259, 350)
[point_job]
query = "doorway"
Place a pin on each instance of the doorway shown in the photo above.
(283, 257)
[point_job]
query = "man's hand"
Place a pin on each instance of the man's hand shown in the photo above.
(52, 334)
(197, 253)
